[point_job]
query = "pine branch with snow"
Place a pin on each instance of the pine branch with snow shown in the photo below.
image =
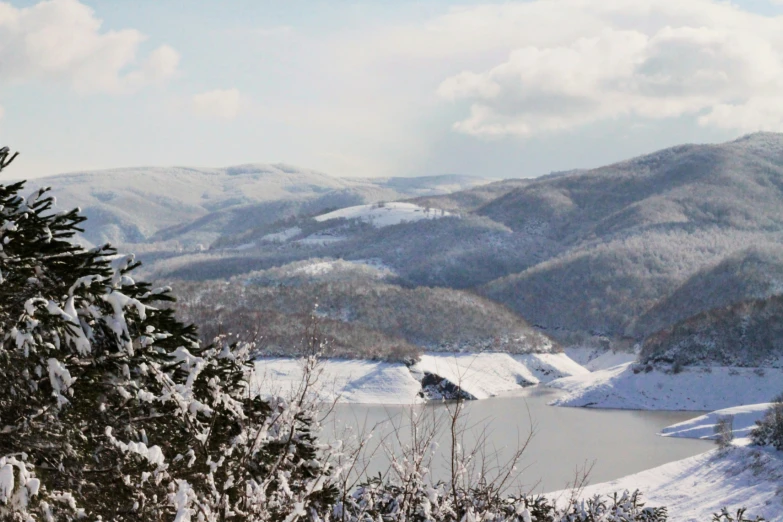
(109, 406)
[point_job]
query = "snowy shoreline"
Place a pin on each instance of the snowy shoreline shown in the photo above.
(481, 375)
(692, 389)
(692, 489)
(742, 476)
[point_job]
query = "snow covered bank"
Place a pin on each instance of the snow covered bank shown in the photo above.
(694, 488)
(548, 366)
(693, 389)
(386, 215)
(596, 359)
(366, 382)
(481, 375)
(485, 375)
(702, 427)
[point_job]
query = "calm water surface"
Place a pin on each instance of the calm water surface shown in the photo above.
(615, 442)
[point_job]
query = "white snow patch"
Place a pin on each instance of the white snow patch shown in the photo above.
(375, 263)
(243, 246)
(319, 268)
(482, 375)
(386, 215)
(355, 381)
(694, 488)
(702, 427)
(610, 359)
(549, 366)
(693, 389)
(596, 359)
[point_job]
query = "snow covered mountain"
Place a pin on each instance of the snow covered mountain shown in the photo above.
(630, 234)
(361, 313)
(620, 251)
(196, 206)
(747, 333)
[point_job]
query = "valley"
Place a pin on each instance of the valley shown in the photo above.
(651, 285)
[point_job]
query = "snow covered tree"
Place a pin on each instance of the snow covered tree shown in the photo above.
(109, 407)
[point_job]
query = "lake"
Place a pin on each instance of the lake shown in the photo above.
(614, 442)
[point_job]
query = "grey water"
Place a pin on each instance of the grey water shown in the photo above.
(610, 443)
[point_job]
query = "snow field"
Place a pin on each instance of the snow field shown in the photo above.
(702, 427)
(482, 375)
(355, 381)
(386, 215)
(693, 389)
(595, 359)
(549, 366)
(694, 488)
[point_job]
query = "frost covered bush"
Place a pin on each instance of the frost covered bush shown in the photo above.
(724, 431)
(376, 501)
(738, 516)
(769, 430)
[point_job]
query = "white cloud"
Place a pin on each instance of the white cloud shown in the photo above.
(220, 103)
(573, 62)
(61, 40)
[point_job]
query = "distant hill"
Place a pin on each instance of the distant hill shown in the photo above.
(616, 252)
(631, 234)
(754, 273)
(748, 333)
(196, 206)
(360, 312)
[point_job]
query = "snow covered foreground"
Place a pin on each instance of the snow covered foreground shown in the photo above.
(693, 389)
(694, 488)
(482, 375)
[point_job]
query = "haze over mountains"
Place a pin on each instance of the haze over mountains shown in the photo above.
(620, 251)
(196, 206)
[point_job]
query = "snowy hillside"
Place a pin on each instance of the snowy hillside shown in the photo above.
(198, 205)
(611, 254)
(364, 382)
(692, 389)
(754, 273)
(747, 333)
(361, 313)
(384, 215)
(631, 233)
(703, 427)
(693, 489)
(369, 382)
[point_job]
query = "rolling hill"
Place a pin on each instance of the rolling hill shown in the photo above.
(190, 206)
(616, 252)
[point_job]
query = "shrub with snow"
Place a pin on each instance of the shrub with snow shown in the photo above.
(769, 430)
(724, 431)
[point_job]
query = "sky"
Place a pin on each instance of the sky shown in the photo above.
(384, 87)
